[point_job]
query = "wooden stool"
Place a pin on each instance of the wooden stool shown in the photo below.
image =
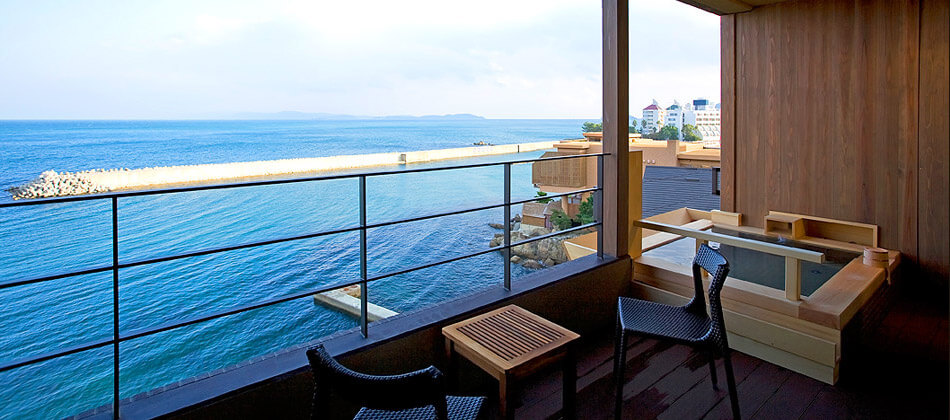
(511, 343)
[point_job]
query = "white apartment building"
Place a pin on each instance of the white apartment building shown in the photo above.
(674, 116)
(654, 116)
(700, 113)
(706, 118)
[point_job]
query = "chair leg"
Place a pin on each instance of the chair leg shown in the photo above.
(620, 359)
(712, 369)
(731, 382)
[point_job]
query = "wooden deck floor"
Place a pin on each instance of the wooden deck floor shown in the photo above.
(903, 374)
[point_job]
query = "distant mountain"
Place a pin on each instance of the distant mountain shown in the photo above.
(432, 117)
(297, 115)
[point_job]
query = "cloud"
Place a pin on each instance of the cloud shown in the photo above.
(499, 58)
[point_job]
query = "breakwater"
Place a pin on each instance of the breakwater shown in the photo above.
(61, 184)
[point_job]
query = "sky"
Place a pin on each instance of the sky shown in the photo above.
(170, 59)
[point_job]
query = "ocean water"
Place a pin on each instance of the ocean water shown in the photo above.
(48, 239)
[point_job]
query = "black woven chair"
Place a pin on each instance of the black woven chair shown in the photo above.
(688, 324)
(414, 395)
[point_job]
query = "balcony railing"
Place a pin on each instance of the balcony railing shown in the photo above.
(119, 336)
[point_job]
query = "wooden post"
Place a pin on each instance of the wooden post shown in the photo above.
(616, 116)
(635, 203)
(793, 279)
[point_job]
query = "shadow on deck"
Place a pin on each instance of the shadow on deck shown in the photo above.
(902, 373)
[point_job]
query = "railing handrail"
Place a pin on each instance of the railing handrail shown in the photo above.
(172, 190)
(781, 250)
(118, 336)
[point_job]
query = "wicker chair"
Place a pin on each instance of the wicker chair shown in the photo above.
(414, 395)
(688, 324)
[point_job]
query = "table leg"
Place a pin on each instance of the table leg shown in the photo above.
(570, 383)
(451, 361)
(506, 407)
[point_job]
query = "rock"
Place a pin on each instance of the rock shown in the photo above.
(497, 225)
(532, 231)
(532, 264)
(515, 259)
(548, 262)
(527, 251)
(517, 218)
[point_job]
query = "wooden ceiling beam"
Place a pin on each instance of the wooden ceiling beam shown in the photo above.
(720, 7)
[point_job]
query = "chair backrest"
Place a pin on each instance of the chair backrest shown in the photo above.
(718, 268)
(391, 392)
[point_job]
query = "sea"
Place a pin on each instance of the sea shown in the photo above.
(48, 239)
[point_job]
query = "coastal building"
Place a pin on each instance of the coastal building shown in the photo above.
(674, 117)
(699, 112)
(560, 176)
(654, 116)
(707, 120)
(539, 214)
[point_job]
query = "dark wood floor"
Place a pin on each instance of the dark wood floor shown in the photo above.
(902, 373)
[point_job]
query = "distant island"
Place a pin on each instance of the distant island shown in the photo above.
(297, 115)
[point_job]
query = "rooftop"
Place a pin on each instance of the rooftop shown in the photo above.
(668, 188)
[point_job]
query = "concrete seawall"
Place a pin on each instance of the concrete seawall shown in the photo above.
(54, 184)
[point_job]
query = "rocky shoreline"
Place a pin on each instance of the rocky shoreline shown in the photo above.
(539, 254)
(55, 184)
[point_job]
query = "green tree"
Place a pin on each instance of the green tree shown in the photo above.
(560, 220)
(669, 132)
(585, 213)
(589, 127)
(691, 133)
(643, 125)
(543, 200)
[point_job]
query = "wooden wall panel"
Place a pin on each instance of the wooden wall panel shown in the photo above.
(826, 113)
(727, 184)
(934, 139)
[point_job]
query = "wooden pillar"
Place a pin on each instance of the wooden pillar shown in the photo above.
(616, 125)
(727, 187)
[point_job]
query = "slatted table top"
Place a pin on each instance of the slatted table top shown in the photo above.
(509, 337)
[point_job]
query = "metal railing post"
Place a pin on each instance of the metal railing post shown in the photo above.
(599, 206)
(507, 224)
(364, 300)
(115, 308)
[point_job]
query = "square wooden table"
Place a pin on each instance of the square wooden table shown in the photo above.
(511, 343)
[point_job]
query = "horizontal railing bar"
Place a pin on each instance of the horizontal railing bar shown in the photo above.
(275, 182)
(137, 263)
(474, 209)
(236, 247)
(432, 216)
(232, 311)
(286, 298)
(54, 354)
(785, 251)
(99, 269)
(489, 250)
(556, 233)
(268, 302)
(430, 265)
(156, 260)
